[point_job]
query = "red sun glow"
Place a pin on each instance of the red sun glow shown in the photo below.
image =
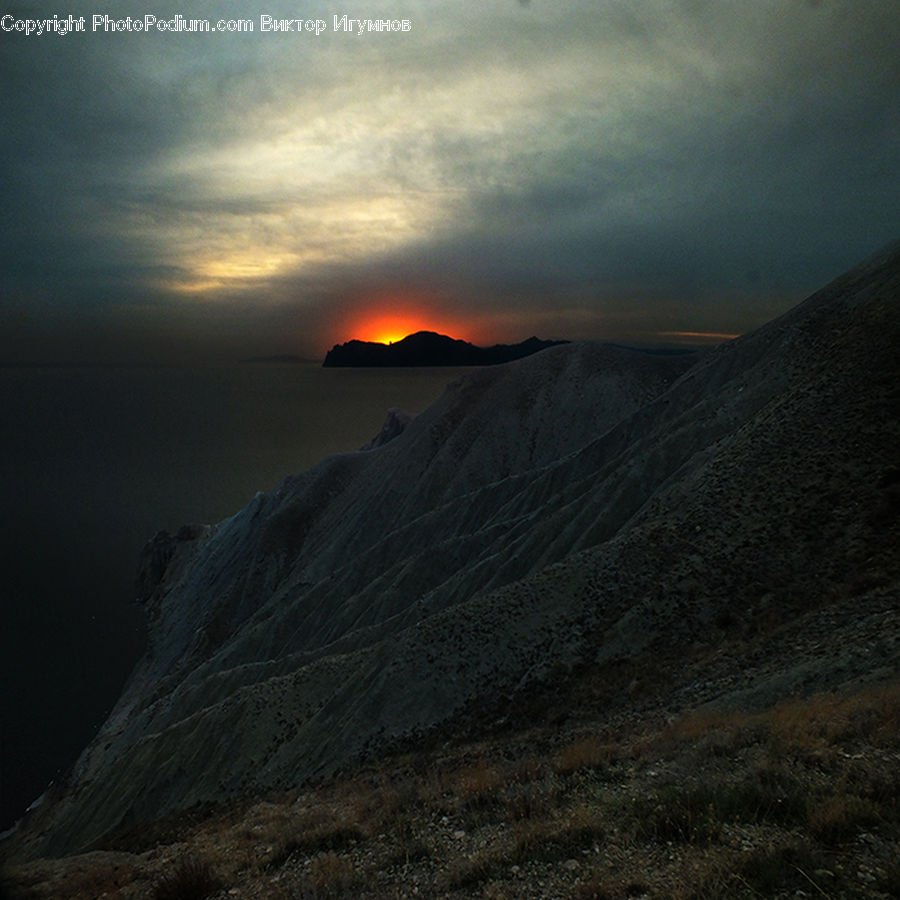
(392, 322)
(388, 329)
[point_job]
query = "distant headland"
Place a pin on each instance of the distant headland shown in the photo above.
(427, 348)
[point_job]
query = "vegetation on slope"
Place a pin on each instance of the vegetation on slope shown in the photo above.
(800, 799)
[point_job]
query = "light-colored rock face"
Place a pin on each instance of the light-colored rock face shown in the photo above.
(393, 427)
(584, 505)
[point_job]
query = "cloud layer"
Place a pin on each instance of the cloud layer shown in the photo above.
(587, 168)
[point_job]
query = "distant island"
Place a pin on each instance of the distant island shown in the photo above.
(427, 348)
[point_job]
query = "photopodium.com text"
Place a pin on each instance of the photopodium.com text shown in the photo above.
(150, 23)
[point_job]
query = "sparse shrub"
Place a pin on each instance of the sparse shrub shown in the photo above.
(837, 817)
(388, 803)
(886, 730)
(478, 793)
(323, 838)
(807, 726)
(712, 732)
(529, 801)
(880, 786)
(528, 769)
(331, 876)
(695, 814)
(585, 753)
(583, 827)
(479, 785)
(531, 838)
(282, 853)
(825, 720)
(766, 795)
(784, 868)
(304, 831)
(557, 839)
(713, 878)
(677, 814)
(85, 879)
(192, 879)
(410, 848)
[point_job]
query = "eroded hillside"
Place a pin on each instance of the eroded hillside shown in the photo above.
(667, 531)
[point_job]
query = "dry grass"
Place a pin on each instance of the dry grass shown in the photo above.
(191, 879)
(801, 797)
(478, 786)
(588, 752)
(829, 720)
(835, 819)
(330, 876)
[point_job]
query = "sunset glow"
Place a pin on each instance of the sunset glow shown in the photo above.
(385, 317)
(389, 329)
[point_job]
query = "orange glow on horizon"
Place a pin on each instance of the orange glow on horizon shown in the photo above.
(388, 318)
(388, 329)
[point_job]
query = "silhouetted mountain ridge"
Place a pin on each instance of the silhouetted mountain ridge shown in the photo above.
(428, 348)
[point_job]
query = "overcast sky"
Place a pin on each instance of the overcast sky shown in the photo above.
(613, 169)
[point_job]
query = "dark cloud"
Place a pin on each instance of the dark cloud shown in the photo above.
(594, 162)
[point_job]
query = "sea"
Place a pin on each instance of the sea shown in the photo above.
(94, 460)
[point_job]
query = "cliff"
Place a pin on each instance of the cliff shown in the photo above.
(585, 507)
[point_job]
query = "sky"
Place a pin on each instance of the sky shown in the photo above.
(645, 171)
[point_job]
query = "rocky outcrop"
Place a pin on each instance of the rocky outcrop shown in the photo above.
(586, 506)
(158, 559)
(394, 424)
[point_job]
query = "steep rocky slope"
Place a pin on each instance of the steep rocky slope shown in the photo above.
(586, 515)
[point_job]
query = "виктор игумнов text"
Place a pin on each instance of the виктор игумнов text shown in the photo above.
(104, 23)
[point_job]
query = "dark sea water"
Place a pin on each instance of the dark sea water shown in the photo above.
(94, 461)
